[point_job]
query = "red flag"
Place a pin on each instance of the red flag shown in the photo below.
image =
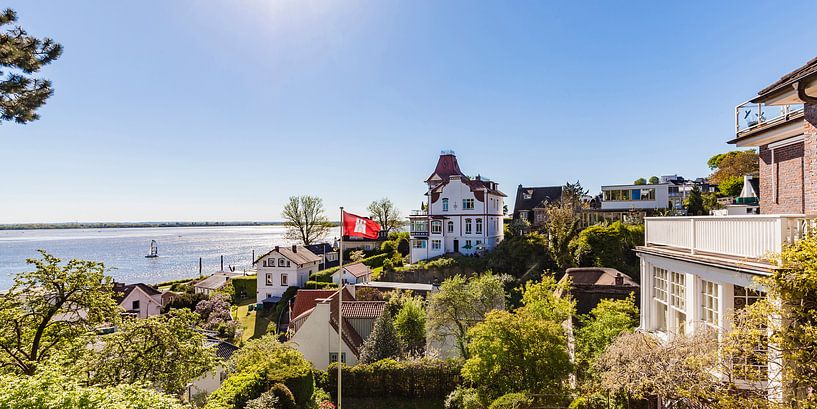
(357, 226)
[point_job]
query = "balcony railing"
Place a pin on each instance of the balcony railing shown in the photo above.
(749, 116)
(754, 237)
(419, 213)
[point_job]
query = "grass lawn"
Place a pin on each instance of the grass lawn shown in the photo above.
(379, 403)
(253, 325)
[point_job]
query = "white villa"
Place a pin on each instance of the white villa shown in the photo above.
(463, 214)
(281, 268)
(696, 270)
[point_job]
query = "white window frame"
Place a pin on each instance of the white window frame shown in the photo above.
(450, 226)
(445, 204)
(284, 279)
(269, 279)
(479, 225)
(436, 227)
(468, 227)
(467, 204)
(709, 303)
(436, 244)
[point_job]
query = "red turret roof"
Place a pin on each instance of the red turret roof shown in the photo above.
(447, 166)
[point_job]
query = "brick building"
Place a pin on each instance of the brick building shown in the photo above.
(781, 121)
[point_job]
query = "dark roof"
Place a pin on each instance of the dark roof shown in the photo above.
(224, 350)
(807, 70)
(302, 255)
(122, 291)
(319, 248)
(597, 276)
(447, 166)
(538, 196)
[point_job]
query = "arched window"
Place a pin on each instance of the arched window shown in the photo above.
(467, 226)
(479, 226)
(450, 227)
(445, 204)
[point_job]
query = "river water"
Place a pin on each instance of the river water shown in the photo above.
(123, 250)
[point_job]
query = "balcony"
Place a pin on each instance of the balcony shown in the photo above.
(743, 237)
(751, 117)
(418, 213)
(419, 228)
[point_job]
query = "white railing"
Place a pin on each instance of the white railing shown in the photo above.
(753, 237)
(749, 116)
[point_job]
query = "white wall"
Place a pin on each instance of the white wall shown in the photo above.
(148, 306)
(316, 339)
(297, 276)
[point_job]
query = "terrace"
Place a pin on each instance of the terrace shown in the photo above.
(752, 117)
(751, 238)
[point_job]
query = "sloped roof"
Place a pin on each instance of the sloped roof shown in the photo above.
(597, 276)
(447, 166)
(807, 70)
(214, 282)
(302, 255)
(363, 309)
(357, 269)
(320, 248)
(123, 291)
(305, 300)
(538, 195)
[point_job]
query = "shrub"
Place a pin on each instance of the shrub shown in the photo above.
(284, 395)
(267, 400)
(463, 398)
(244, 287)
(186, 300)
(515, 400)
(237, 390)
(609, 246)
(317, 285)
(421, 378)
(382, 343)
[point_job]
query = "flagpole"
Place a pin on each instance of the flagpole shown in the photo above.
(340, 307)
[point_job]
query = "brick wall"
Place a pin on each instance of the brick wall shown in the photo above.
(810, 162)
(787, 169)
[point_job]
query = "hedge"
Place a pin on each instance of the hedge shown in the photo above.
(246, 285)
(422, 378)
(326, 275)
(319, 285)
(237, 390)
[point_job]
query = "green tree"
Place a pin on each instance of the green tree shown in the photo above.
(654, 180)
(519, 255)
(525, 350)
(733, 164)
(609, 246)
(561, 227)
(164, 351)
(50, 308)
(54, 387)
(382, 343)
(607, 320)
(694, 203)
(459, 304)
(731, 186)
(640, 181)
(410, 324)
(305, 220)
(386, 214)
(22, 56)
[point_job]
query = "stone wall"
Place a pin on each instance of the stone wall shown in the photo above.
(786, 170)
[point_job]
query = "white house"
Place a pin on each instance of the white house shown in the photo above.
(211, 380)
(139, 299)
(209, 285)
(463, 214)
(281, 268)
(635, 197)
(353, 274)
(315, 332)
(696, 270)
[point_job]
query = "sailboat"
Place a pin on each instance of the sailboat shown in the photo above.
(154, 250)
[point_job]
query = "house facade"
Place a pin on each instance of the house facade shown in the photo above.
(355, 273)
(281, 268)
(139, 300)
(531, 203)
(695, 271)
(462, 214)
(635, 197)
(315, 330)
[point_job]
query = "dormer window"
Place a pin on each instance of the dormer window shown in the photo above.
(526, 195)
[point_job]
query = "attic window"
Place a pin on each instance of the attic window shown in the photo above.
(526, 195)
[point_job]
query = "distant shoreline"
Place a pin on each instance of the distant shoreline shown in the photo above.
(123, 225)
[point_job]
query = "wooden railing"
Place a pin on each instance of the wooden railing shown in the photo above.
(753, 237)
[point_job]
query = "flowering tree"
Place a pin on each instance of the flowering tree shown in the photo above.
(215, 315)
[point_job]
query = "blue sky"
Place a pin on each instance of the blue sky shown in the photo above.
(207, 110)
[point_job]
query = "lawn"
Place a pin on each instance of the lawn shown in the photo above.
(251, 323)
(379, 403)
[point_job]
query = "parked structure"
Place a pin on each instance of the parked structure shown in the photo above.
(139, 300)
(696, 270)
(463, 215)
(316, 329)
(281, 268)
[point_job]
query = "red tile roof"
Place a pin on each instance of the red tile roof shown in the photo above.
(447, 166)
(305, 300)
(363, 309)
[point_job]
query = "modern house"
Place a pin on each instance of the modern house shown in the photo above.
(680, 188)
(315, 330)
(353, 274)
(635, 197)
(696, 270)
(531, 203)
(139, 300)
(281, 268)
(462, 214)
(327, 253)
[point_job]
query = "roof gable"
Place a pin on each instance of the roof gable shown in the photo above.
(301, 255)
(357, 269)
(529, 198)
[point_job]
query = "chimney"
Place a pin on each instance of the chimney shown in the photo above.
(277, 248)
(619, 279)
(294, 248)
